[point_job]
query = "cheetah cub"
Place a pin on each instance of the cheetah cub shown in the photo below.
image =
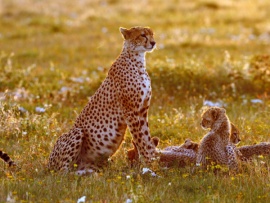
(170, 156)
(215, 146)
(248, 151)
(121, 101)
(188, 144)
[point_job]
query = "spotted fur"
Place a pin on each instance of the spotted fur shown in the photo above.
(248, 151)
(188, 144)
(179, 156)
(183, 157)
(122, 100)
(215, 148)
(235, 135)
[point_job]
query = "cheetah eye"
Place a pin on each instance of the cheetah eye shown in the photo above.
(143, 35)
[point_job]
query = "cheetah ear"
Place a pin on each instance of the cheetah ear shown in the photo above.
(155, 140)
(223, 110)
(188, 143)
(215, 113)
(187, 140)
(125, 32)
(196, 146)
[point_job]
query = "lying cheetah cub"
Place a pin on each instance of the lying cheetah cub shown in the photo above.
(243, 153)
(185, 153)
(188, 144)
(177, 155)
(215, 146)
(248, 151)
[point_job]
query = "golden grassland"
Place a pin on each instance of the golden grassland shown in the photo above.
(55, 54)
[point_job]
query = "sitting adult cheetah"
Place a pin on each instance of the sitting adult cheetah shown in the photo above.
(6, 158)
(122, 100)
(215, 146)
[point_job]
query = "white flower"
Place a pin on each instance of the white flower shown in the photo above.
(147, 170)
(82, 199)
(256, 101)
(10, 198)
(100, 68)
(78, 80)
(64, 89)
(104, 30)
(84, 172)
(40, 109)
(129, 201)
(23, 110)
(128, 177)
(20, 93)
(210, 103)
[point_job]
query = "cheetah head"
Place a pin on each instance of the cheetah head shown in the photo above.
(234, 137)
(133, 154)
(189, 144)
(211, 116)
(138, 39)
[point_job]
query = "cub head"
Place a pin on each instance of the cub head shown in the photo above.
(234, 137)
(189, 144)
(133, 154)
(211, 115)
(139, 39)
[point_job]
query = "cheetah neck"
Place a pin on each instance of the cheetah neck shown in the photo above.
(134, 56)
(222, 126)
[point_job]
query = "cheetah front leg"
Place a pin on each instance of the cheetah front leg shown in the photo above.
(138, 127)
(135, 108)
(146, 144)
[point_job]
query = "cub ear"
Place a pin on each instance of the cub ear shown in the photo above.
(215, 113)
(187, 140)
(155, 140)
(223, 110)
(124, 32)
